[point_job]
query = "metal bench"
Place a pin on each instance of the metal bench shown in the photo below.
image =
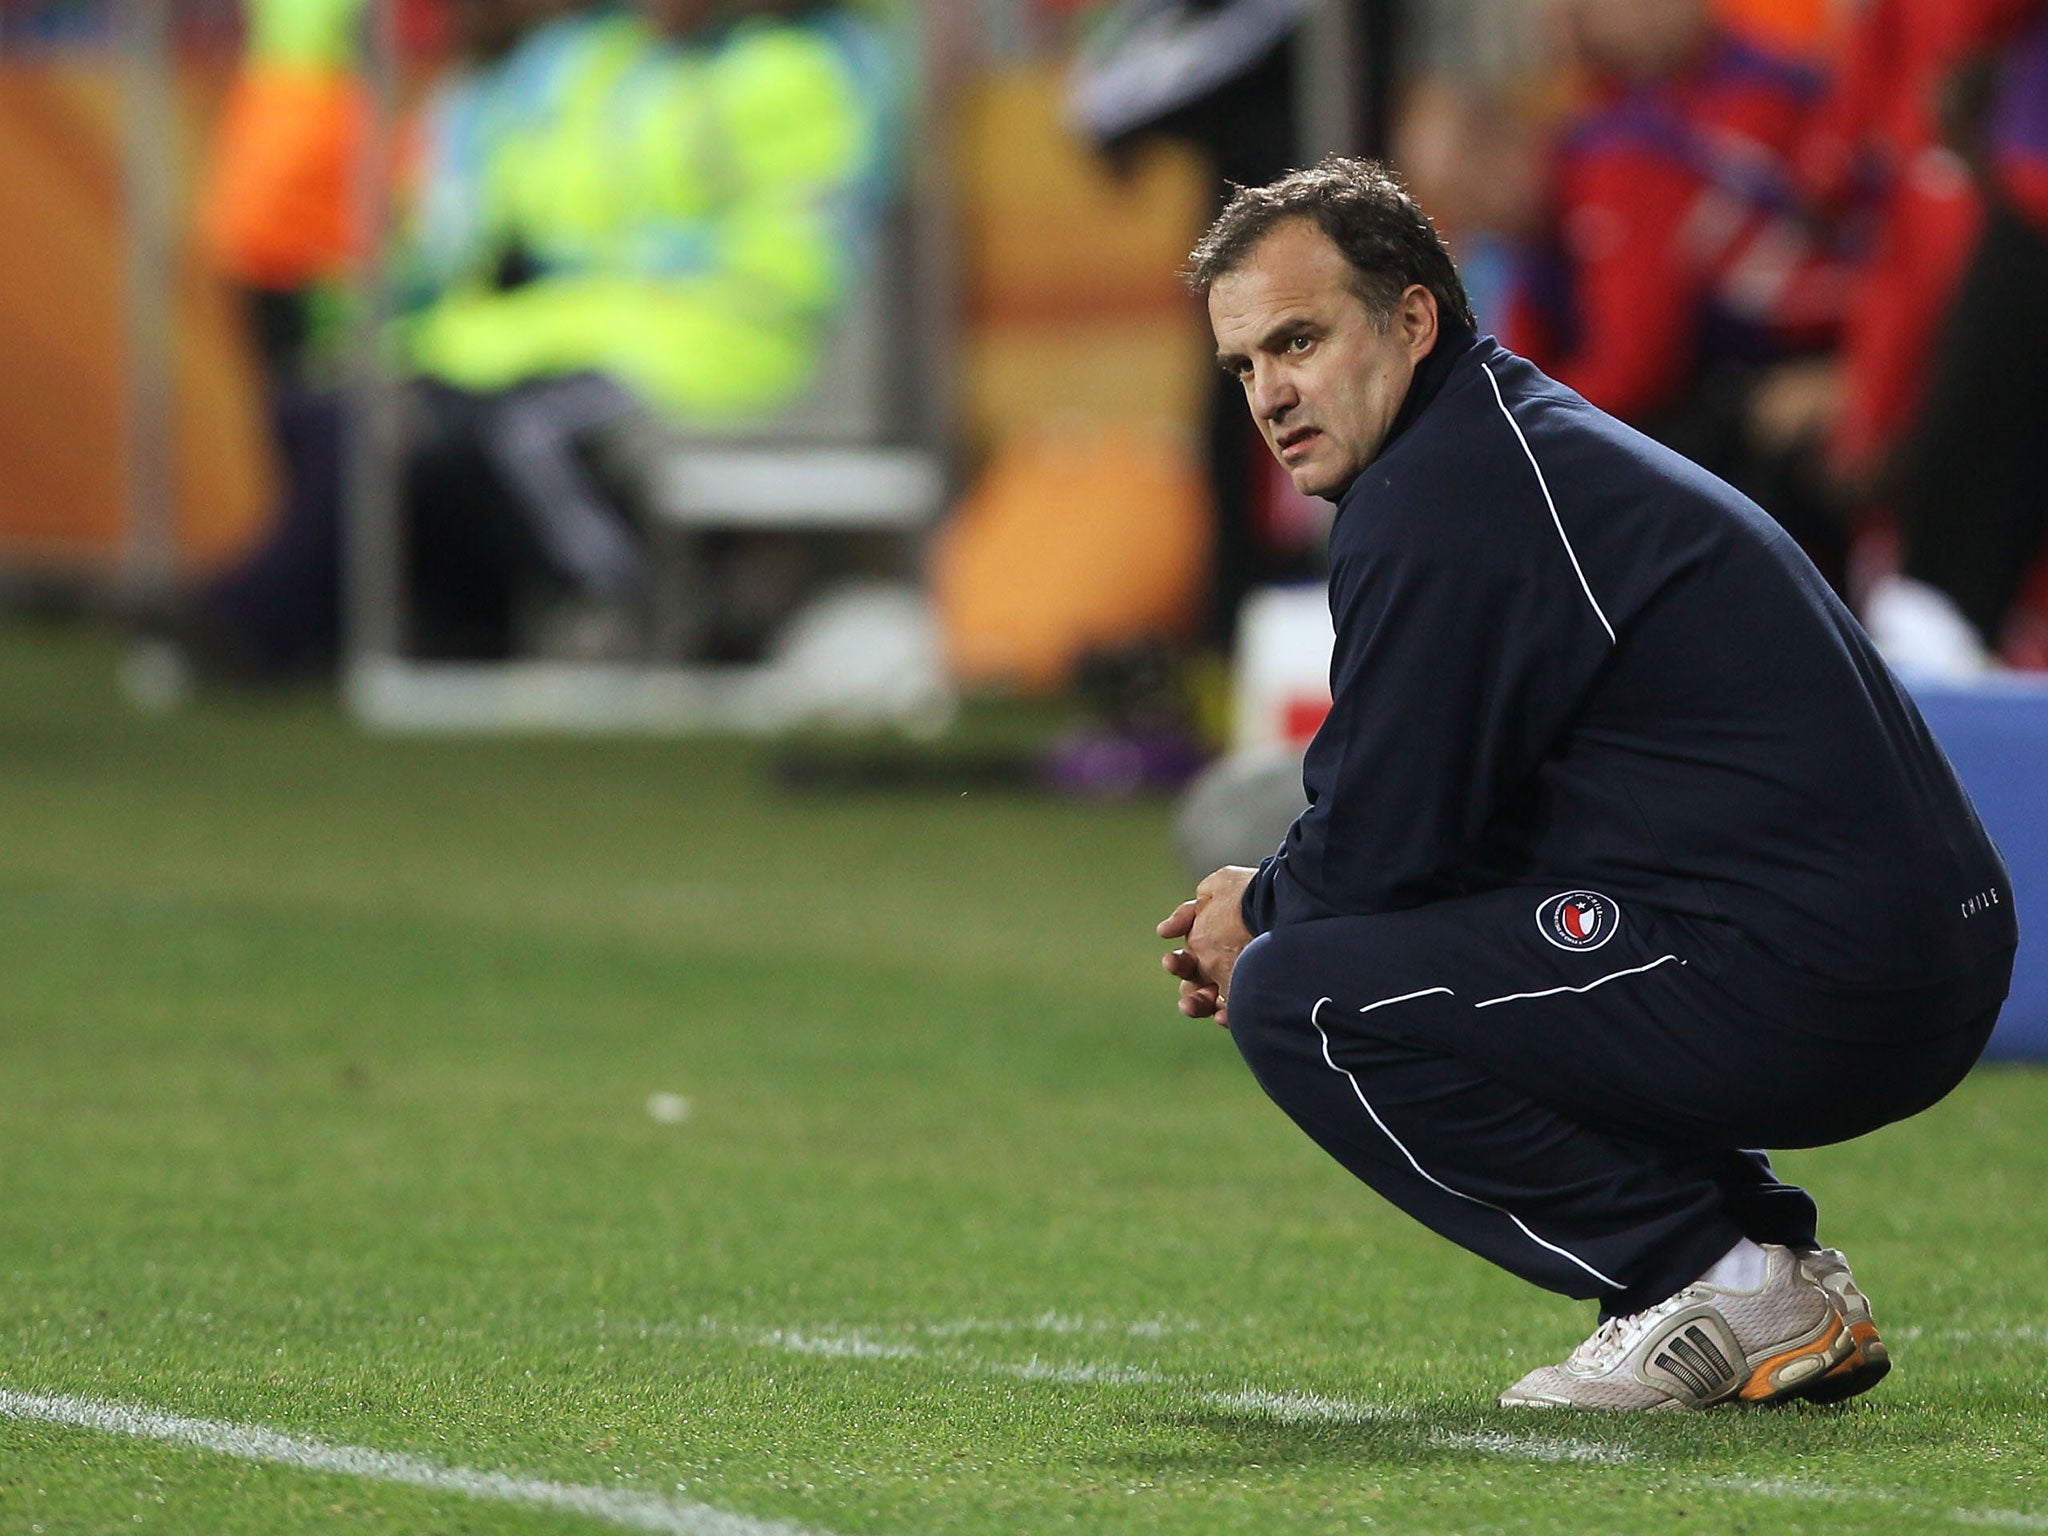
(847, 457)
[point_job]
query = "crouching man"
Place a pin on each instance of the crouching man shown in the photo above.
(1624, 852)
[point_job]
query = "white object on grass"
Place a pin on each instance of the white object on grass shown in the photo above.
(667, 1108)
(155, 677)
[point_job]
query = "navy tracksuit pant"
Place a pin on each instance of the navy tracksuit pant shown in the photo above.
(1568, 1092)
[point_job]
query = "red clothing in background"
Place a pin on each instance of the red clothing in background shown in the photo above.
(1880, 137)
(1678, 237)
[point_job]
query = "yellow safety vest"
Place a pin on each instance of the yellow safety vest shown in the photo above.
(699, 241)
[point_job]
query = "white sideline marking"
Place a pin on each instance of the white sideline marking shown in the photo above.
(855, 1345)
(1788, 1488)
(1496, 1442)
(1305, 1407)
(1083, 1375)
(621, 1507)
(1286, 1407)
(2010, 1519)
(1309, 1407)
(2021, 1333)
(1056, 1322)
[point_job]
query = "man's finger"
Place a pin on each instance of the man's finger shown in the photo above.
(1181, 963)
(1177, 925)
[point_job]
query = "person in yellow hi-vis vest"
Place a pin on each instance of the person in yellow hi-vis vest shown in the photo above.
(675, 208)
(687, 207)
(448, 231)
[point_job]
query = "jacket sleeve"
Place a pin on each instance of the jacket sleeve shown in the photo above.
(1466, 643)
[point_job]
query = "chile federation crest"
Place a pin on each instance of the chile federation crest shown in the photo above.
(1578, 919)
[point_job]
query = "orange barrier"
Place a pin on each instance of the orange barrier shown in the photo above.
(1074, 303)
(1084, 378)
(62, 341)
(1070, 541)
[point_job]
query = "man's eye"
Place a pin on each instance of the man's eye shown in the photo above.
(1299, 343)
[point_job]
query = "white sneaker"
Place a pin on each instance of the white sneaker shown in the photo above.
(1868, 1359)
(1708, 1344)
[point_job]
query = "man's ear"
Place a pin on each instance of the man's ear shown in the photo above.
(1415, 318)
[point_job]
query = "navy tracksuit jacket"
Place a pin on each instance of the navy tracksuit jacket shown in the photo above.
(1624, 850)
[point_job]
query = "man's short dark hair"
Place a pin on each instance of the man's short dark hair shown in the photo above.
(1362, 209)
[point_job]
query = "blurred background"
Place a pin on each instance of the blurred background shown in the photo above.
(715, 366)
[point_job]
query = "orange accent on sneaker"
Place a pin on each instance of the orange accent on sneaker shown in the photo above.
(1766, 1379)
(1868, 1363)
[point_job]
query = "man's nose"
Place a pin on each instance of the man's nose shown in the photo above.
(1273, 394)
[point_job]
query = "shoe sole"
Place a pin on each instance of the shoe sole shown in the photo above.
(1869, 1362)
(1804, 1366)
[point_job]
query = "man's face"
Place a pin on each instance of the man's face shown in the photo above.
(1323, 381)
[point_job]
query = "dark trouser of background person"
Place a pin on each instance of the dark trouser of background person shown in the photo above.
(1247, 130)
(276, 614)
(1246, 120)
(1245, 127)
(1971, 486)
(510, 530)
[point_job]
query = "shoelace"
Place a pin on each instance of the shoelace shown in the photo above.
(1600, 1351)
(1616, 1336)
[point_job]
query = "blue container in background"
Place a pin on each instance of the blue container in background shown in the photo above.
(1996, 734)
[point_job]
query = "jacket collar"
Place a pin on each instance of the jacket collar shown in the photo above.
(1453, 341)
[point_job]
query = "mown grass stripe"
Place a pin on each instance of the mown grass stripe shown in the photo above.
(620, 1507)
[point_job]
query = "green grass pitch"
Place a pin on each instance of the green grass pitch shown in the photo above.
(325, 1070)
